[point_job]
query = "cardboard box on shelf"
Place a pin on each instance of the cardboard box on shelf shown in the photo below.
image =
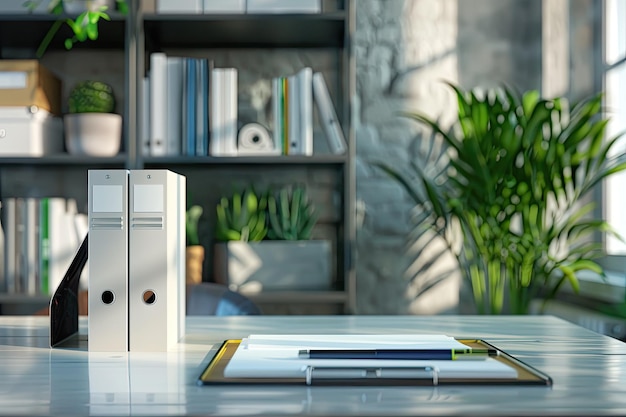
(25, 83)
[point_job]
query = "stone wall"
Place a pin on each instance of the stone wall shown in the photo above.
(404, 49)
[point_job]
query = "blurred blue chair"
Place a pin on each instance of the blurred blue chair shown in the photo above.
(211, 299)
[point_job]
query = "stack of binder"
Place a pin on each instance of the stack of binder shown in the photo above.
(136, 255)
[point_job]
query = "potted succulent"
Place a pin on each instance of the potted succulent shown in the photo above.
(506, 192)
(264, 242)
(91, 127)
(194, 250)
(84, 26)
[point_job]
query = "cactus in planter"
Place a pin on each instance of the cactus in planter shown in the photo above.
(91, 97)
(287, 259)
(291, 214)
(242, 217)
(91, 127)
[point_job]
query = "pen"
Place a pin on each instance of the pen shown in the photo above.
(398, 354)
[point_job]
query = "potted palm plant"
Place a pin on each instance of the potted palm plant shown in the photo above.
(265, 242)
(511, 180)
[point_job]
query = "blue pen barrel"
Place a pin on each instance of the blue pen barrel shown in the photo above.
(391, 354)
(414, 355)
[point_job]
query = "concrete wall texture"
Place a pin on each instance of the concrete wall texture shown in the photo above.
(404, 50)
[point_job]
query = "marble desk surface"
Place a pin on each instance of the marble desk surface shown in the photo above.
(588, 371)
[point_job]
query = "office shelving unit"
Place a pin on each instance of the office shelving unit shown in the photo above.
(139, 34)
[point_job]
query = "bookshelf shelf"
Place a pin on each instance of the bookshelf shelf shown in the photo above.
(284, 42)
(246, 30)
(65, 160)
(27, 31)
(247, 160)
(298, 296)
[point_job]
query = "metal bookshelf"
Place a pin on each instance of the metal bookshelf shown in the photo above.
(137, 35)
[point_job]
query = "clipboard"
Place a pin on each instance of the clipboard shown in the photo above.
(213, 374)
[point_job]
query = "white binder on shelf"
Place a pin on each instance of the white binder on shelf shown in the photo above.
(305, 93)
(158, 104)
(230, 111)
(328, 115)
(156, 263)
(9, 220)
(174, 115)
(216, 143)
(108, 260)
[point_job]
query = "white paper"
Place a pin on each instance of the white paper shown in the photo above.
(276, 356)
(351, 341)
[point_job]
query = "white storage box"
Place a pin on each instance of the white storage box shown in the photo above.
(29, 131)
(222, 6)
(179, 6)
(284, 6)
(17, 6)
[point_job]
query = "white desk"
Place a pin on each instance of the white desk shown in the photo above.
(589, 372)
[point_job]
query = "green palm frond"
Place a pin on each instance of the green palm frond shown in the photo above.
(511, 172)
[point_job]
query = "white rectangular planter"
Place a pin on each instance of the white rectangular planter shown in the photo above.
(274, 265)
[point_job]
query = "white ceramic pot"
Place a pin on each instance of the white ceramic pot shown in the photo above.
(93, 134)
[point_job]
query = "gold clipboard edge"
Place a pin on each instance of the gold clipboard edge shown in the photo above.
(540, 378)
(543, 378)
(219, 355)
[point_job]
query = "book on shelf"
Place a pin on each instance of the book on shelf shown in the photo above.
(230, 111)
(174, 98)
(304, 79)
(328, 115)
(188, 146)
(202, 106)
(199, 115)
(293, 114)
(224, 107)
(145, 116)
(158, 103)
(41, 237)
(292, 104)
(195, 107)
(9, 220)
(216, 144)
(277, 117)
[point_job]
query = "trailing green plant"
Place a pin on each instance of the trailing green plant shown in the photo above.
(191, 225)
(242, 217)
(84, 26)
(509, 180)
(292, 215)
(91, 97)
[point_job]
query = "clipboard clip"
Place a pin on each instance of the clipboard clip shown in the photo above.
(317, 373)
